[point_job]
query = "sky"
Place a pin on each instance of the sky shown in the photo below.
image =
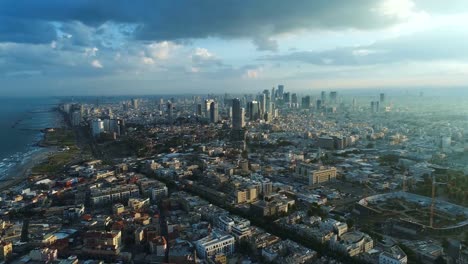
(120, 47)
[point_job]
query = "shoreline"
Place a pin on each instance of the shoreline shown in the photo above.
(20, 172)
(39, 153)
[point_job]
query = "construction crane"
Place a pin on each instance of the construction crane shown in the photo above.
(434, 183)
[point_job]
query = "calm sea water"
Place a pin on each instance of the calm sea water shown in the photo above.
(21, 120)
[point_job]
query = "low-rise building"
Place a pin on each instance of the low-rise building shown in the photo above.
(44, 255)
(315, 174)
(352, 243)
(6, 249)
(102, 244)
(215, 243)
(102, 196)
(393, 255)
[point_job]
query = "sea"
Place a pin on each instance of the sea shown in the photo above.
(21, 122)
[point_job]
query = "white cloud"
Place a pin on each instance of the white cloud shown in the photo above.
(202, 57)
(53, 44)
(96, 64)
(401, 9)
(161, 50)
(203, 53)
(91, 52)
(147, 60)
(365, 52)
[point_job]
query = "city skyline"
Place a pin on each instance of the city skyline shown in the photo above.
(86, 48)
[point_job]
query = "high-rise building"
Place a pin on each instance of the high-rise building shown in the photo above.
(237, 115)
(262, 100)
(375, 105)
(333, 96)
(75, 118)
(199, 110)
(287, 97)
(280, 91)
(323, 96)
(97, 127)
(114, 126)
(214, 112)
(253, 110)
(135, 103)
(305, 102)
(382, 97)
(319, 104)
(169, 111)
(206, 107)
(294, 98)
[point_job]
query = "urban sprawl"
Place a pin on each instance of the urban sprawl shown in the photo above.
(271, 177)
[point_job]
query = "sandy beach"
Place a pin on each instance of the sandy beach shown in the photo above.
(21, 171)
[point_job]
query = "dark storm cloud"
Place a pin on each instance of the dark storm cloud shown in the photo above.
(25, 30)
(265, 43)
(431, 45)
(183, 19)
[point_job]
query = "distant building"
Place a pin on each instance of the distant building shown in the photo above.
(294, 99)
(382, 97)
(135, 103)
(262, 102)
(319, 105)
(97, 127)
(206, 107)
(305, 104)
(280, 91)
(253, 110)
(214, 112)
(334, 97)
(75, 118)
(170, 109)
(199, 110)
(237, 115)
(287, 98)
(375, 106)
